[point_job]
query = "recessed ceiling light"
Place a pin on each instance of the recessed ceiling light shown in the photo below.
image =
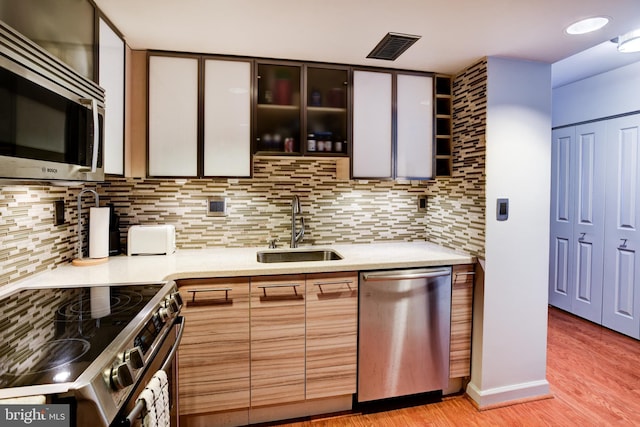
(587, 25)
(629, 42)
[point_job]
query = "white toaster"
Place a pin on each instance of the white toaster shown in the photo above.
(151, 240)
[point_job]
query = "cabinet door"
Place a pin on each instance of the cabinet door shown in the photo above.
(173, 116)
(414, 155)
(372, 127)
(277, 339)
(332, 329)
(622, 242)
(326, 110)
(227, 118)
(278, 110)
(214, 353)
(461, 321)
(112, 80)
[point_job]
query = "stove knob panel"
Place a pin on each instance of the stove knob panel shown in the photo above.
(121, 376)
(134, 357)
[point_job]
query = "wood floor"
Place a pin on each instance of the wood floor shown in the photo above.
(594, 375)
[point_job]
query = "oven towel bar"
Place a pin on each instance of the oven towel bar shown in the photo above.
(155, 398)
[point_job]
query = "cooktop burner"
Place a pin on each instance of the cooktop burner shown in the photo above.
(52, 335)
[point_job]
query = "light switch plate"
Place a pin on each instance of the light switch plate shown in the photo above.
(502, 209)
(58, 212)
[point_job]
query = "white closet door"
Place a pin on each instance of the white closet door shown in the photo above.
(227, 118)
(561, 249)
(414, 156)
(372, 129)
(588, 231)
(621, 297)
(173, 116)
(112, 80)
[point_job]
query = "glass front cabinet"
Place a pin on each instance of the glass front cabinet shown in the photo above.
(301, 110)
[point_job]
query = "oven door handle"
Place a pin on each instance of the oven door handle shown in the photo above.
(137, 410)
(174, 349)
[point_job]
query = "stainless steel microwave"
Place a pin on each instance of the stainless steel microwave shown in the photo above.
(51, 118)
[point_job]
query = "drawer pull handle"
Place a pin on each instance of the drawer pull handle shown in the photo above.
(340, 282)
(266, 297)
(624, 243)
(466, 273)
(217, 301)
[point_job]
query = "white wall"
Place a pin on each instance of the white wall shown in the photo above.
(509, 361)
(604, 95)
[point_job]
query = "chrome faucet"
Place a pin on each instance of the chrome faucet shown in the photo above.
(296, 209)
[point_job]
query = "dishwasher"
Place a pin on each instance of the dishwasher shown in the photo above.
(404, 325)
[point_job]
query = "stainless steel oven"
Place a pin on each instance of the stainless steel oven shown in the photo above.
(92, 348)
(52, 119)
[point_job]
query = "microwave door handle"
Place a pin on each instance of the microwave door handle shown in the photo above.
(96, 131)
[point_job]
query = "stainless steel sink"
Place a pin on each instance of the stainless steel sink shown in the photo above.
(298, 255)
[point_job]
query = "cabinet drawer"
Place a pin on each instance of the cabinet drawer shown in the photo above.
(332, 325)
(461, 320)
(214, 352)
(277, 339)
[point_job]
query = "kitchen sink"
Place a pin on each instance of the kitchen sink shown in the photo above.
(298, 255)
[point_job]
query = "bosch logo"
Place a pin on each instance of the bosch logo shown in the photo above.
(52, 170)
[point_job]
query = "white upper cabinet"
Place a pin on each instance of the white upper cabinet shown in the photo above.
(173, 116)
(414, 155)
(227, 118)
(372, 124)
(392, 132)
(111, 78)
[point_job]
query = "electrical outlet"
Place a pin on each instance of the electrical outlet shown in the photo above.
(58, 212)
(422, 203)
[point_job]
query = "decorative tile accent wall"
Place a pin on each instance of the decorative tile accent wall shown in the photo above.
(335, 210)
(457, 204)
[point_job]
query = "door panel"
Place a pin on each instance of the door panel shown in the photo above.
(560, 251)
(621, 298)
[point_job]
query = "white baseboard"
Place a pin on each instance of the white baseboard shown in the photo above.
(501, 396)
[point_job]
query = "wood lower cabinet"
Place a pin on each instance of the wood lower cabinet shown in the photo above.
(277, 339)
(331, 338)
(214, 353)
(461, 319)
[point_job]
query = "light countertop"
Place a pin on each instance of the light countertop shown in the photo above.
(225, 262)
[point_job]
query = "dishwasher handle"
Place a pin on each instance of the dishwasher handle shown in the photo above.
(398, 275)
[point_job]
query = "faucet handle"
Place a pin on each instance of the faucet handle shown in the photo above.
(272, 241)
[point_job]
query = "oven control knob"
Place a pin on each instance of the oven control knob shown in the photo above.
(121, 376)
(134, 357)
(164, 314)
(173, 304)
(177, 298)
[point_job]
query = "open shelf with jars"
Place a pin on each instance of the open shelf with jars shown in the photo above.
(443, 125)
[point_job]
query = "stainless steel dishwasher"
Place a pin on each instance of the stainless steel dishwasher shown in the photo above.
(404, 332)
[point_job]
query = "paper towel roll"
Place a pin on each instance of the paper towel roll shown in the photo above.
(99, 232)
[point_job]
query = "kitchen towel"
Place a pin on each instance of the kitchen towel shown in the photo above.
(99, 232)
(156, 400)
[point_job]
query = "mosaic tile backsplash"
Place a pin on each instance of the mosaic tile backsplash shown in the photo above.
(335, 210)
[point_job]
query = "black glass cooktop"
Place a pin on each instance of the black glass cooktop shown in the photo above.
(53, 335)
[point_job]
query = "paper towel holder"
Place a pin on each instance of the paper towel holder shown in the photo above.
(79, 261)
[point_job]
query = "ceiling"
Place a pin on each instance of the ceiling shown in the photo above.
(455, 33)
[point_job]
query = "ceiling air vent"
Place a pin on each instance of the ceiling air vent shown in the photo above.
(392, 45)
